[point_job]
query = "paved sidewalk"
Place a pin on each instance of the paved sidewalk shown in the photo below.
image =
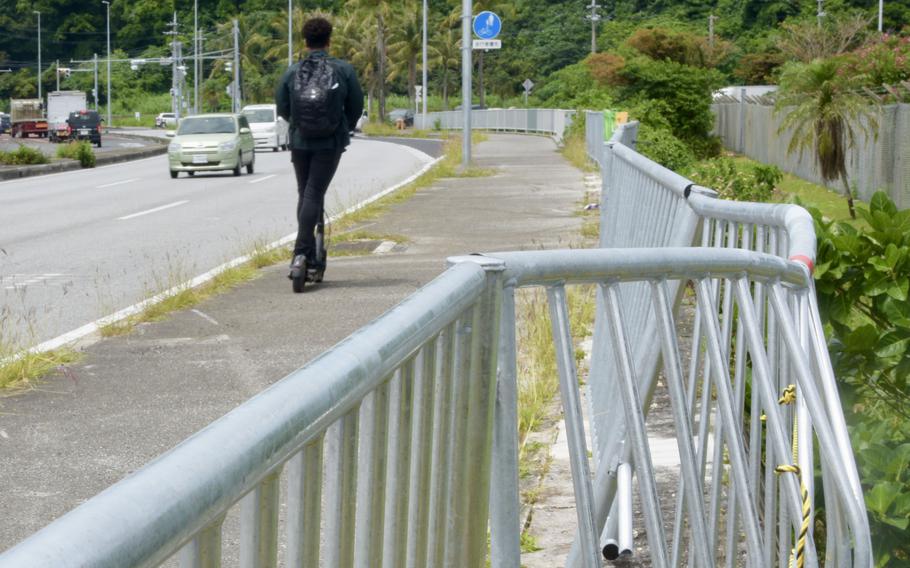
(135, 397)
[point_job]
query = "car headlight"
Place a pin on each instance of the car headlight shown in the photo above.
(227, 146)
(173, 147)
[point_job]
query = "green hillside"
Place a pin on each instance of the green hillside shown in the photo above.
(539, 37)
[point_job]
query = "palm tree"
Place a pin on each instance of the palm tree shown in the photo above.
(826, 112)
(405, 47)
(357, 43)
(445, 54)
(380, 11)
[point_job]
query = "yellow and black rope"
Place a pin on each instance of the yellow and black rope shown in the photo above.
(798, 557)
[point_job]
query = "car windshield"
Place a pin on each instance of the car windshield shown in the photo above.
(260, 115)
(207, 125)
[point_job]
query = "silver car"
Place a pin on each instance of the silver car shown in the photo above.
(212, 142)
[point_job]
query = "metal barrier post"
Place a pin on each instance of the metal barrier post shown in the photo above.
(505, 500)
(259, 525)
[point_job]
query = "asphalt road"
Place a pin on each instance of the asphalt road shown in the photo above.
(109, 142)
(80, 245)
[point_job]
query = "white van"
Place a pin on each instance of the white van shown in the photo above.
(269, 129)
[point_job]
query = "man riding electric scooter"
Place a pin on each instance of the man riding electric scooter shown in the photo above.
(321, 99)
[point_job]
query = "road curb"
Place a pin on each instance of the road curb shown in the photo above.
(18, 172)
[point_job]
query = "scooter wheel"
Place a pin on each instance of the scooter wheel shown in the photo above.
(298, 280)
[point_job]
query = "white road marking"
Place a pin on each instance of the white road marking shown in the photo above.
(263, 178)
(155, 210)
(19, 281)
(384, 247)
(206, 317)
(131, 180)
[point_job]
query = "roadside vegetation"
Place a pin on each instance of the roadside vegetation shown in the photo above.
(23, 156)
(80, 151)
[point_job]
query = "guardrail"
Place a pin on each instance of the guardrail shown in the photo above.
(532, 121)
(400, 444)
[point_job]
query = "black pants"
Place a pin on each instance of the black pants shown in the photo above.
(314, 170)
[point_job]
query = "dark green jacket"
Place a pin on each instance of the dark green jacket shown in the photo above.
(353, 106)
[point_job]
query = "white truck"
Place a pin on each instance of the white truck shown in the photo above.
(59, 106)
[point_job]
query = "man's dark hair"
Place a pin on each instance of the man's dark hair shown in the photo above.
(317, 32)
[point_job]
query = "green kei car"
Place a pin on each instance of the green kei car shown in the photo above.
(212, 142)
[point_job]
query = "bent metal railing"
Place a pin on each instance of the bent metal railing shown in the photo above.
(399, 445)
(401, 442)
(646, 205)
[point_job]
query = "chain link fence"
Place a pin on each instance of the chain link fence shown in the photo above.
(874, 163)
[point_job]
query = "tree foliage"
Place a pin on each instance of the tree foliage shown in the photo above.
(826, 113)
(863, 282)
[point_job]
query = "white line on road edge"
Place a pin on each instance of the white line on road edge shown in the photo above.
(155, 210)
(131, 180)
(263, 178)
(93, 327)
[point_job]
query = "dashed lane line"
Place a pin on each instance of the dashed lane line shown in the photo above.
(155, 210)
(263, 178)
(116, 183)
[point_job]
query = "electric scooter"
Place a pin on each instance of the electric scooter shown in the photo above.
(301, 275)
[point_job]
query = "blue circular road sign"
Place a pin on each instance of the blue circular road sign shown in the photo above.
(487, 25)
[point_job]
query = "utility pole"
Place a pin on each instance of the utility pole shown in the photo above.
(290, 33)
(881, 13)
(424, 92)
(595, 17)
(57, 73)
(466, 90)
(197, 63)
(95, 90)
(175, 100)
(39, 52)
(236, 90)
(109, 100)
(711, 20)
(821, 13)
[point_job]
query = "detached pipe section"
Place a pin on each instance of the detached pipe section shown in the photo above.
(624, 489)
(618, 540)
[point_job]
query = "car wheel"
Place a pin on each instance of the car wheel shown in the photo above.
(251, 165)
(239, 164)
(191, 174)
(173, 174)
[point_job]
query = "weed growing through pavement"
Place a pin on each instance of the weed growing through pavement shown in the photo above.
(20, 367)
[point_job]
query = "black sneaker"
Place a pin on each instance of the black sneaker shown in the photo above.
(298, 264)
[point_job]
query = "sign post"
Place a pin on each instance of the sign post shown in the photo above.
(466, 82)
(528, 85)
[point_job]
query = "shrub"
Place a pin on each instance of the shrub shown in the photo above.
(667, 150)
(759, 68)
(751, 183)
(606, 68)
(81, 151)
(862, 280)
(23, 156)
(685, 90)
(665, 44)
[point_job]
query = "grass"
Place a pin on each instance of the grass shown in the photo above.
(386, 129)
(574, 149)
(831, 204)
(538, 381)
(19, 368)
